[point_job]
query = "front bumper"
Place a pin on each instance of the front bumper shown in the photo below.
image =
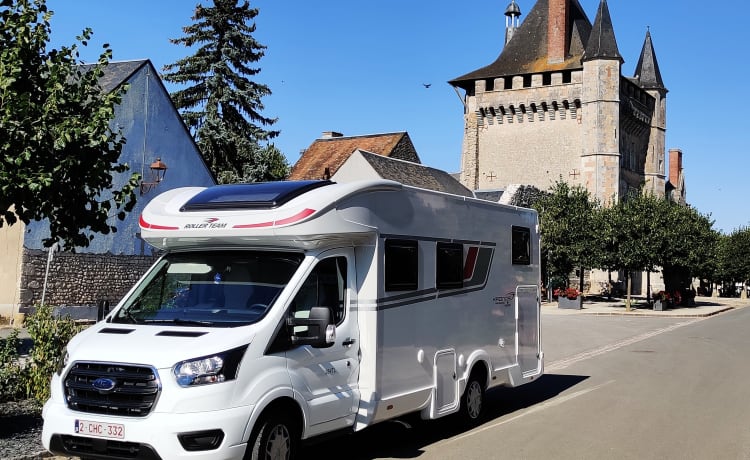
(148, 438)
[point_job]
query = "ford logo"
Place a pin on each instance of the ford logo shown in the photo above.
(104, 385)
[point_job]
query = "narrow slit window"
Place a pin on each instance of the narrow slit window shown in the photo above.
(521, 246)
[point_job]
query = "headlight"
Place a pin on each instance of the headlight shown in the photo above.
(209, 369)
(63, 361)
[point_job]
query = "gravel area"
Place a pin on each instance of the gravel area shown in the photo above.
(21, 431)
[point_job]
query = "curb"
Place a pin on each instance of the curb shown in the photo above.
(656, 315)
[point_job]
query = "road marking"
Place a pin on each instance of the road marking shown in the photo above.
(563, 363)
(537, 408)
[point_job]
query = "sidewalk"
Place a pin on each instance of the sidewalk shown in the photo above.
(704, 306)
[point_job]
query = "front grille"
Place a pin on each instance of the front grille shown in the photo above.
(101, 448)
(134, 392)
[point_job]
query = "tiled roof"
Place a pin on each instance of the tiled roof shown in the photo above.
(526, 52)
(331, 152)
(602, 43)
(415, 174)
(647, 71)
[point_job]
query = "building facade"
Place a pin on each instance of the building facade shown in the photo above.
(112, 263)
(555, 105)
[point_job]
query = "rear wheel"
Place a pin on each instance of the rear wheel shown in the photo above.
(275, 438)
(472, 401)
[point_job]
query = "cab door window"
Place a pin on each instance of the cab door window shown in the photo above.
(325, 287)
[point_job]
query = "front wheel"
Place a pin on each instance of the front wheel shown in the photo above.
(275, 439)
(472, 401)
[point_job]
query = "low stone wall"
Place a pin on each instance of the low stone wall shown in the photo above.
(79, 279)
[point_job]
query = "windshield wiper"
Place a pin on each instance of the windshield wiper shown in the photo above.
(192, 322)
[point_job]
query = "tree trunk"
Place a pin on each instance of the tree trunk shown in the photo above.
(629, 278)
(580, 283)
(648, 288)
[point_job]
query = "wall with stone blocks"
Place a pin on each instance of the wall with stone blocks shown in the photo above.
(79, 279)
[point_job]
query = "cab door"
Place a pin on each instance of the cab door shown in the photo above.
(327, 378)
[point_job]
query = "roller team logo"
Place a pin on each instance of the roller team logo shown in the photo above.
(211, 222)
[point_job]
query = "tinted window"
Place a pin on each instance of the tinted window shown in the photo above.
(449, 270)
(401, 265)
(521, 246)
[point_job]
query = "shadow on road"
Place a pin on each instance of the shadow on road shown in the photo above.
(406, 437)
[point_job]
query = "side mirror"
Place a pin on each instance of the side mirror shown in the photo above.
(320, 332)
(102, 309)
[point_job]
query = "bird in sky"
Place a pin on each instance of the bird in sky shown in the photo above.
(426, 85)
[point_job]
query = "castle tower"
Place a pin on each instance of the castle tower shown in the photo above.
(649, 78)
(600, 103)
(555, 105)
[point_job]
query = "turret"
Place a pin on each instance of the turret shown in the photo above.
(512, 15)
(601, 110)
(648, 76)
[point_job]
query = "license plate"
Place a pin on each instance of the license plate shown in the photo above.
(100, 429)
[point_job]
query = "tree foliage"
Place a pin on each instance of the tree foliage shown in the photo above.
(692, 242)
(58, 151)
(733, 255)
(567, 228)
(221, 104)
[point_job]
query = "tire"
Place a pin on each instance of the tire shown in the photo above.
(472, 401)
(275, 438)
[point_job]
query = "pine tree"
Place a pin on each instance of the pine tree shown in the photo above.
(221, 105)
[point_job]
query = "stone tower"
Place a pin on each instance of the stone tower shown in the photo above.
(600, 158)
(648, 76)
(555, 105)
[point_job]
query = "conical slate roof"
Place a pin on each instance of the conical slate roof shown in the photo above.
(602, 43)
(527, 52)
(647, 71)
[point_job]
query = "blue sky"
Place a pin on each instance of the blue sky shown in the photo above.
(357, 67)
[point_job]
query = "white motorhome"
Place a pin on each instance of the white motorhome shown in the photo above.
(282, 311)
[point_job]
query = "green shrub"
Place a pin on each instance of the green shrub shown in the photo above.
(12, 369)
(49, 335)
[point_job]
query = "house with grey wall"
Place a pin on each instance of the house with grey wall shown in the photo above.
(106, 270)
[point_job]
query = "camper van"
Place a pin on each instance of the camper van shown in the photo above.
(282, 311)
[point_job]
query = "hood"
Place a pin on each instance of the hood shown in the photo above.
(154, 345)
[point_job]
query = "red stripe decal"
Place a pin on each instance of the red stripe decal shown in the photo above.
(299, 216)
(289, 220)
(146, 225)
(471, 261)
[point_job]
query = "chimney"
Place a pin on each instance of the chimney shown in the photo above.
(675, 165)
(331, 134)
(557, 31)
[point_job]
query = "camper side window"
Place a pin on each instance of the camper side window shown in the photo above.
(449, 265)
(521, 246)
(325, 287)
(401, 265)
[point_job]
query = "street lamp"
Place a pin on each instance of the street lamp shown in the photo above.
(158, 171)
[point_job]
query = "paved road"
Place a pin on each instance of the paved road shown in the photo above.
(620, 385)
(616, 387)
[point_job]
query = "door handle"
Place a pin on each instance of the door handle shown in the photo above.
(348, 342)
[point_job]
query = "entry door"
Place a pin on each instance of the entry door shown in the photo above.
(328, 377)
(527, 314)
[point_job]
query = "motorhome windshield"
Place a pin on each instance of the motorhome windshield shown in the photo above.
(218, 288)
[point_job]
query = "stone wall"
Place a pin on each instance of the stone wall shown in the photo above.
(78, 279)
(523, 130)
